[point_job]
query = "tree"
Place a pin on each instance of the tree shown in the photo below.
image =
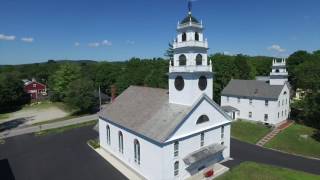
(61, 79)
(307, 75)
(224, 71)
(105, 74)
(293, 61)
(12, 94)
(169, 52)
(80, 94)
(243, 68)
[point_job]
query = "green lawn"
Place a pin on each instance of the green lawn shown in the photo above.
(290, 140)
(65, 128)
(4, 116)
(255, 171)
(48, 104)
(248, 131)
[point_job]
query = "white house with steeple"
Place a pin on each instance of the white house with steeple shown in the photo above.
(266, 100)
(166, 134)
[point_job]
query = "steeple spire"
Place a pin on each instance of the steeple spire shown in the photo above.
(189, 6)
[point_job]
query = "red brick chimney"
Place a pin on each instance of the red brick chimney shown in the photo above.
(113, 93)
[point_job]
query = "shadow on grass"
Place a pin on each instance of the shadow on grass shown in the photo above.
(5, 170)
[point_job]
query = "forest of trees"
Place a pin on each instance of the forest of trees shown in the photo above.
(74, 82)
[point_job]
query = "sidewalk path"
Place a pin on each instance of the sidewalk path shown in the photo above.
(31, 129)
(274, 132)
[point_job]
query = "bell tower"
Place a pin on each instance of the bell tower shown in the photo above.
(190, 72)
(279, 73)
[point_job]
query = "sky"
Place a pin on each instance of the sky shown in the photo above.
(38, 30)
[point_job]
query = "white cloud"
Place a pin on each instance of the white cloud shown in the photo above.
(106, 43)
(276, 47)
(76, 44)
(94, 44)
(130, 42)
(27, 39)
(7, 38)
(227, 53)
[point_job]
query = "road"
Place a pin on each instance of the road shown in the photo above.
(242, 151)
(64, 156)
(32, 129)
(67, 156)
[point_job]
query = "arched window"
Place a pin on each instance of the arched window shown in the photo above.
(176, 149)
(196, 36)
(171, 62)
(199, 59)
(182, 60)
(176, 168)
(277, 70)
(201, 139)
(136, 151)
(202, 119)
(184, 37)
(120, 142)
(108, 135)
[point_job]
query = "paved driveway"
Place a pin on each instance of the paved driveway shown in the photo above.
(67, 156)
(54, 157)
(242, 151)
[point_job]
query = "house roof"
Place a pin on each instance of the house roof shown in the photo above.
(229, 109)
(252, 89)
(146, 111)
(188, 19)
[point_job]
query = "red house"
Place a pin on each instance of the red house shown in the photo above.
(35, 89)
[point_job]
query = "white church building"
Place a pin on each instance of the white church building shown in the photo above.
(266, 100)
(166, 134)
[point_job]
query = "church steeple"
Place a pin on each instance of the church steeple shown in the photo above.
(279, 73)
(190, 73)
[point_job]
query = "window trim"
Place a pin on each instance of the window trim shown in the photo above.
(136, 151)
(120, 139)
(196, 36)
(176, 149)
(182, 60)
(222, 132)
(108, 132)
(176, 168)
(199, 59)
(202, 139)
(184, 37)
(202, 119)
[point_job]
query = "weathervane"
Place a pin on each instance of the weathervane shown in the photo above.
(189, 6)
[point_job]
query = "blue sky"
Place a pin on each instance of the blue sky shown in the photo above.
(38, 30)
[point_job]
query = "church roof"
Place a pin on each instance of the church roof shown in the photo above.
(188, 19)
(252, 89)
(146, 111)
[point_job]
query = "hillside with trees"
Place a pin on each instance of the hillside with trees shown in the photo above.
(74, 82)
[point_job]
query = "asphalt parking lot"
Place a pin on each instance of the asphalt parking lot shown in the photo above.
(54, 157)
(66, 156)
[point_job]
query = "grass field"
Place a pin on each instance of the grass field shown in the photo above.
(65, 128)
(255, 171)
(4, 116)
(48, 104)
(248, 131)
(290, 140)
